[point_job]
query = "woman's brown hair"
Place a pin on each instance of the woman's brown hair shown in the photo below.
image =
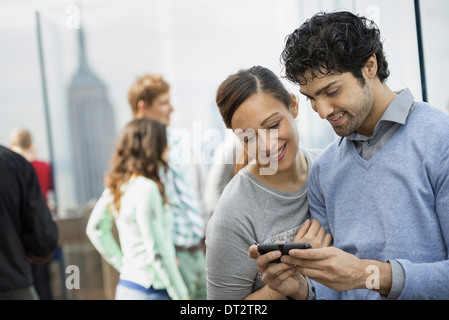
(138, 152)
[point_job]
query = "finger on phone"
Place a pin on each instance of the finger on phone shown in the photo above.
(253, 252)
(268, 257)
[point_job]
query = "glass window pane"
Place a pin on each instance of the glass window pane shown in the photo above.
(434, 15)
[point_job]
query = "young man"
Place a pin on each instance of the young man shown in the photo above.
(382, 188)
(149, 97)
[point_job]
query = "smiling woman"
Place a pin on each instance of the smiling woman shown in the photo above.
(258, 205)
(276, 146)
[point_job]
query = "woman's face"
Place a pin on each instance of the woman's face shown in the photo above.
(268, 131)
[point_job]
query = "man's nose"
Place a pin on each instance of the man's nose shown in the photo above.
(323, 107)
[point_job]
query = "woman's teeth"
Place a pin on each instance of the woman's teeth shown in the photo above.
(278, 153)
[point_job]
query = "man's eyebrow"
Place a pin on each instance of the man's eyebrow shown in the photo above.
(320, 91)
(263, 122)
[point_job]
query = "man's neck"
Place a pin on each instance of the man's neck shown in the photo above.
(382, 98)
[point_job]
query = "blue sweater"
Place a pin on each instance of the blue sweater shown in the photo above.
(393, 207)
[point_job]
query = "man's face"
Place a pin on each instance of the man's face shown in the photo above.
(160, 109)
(341, 100)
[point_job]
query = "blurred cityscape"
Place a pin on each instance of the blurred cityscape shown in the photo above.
(93, 51)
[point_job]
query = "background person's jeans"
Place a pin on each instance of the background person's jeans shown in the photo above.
(127, 290)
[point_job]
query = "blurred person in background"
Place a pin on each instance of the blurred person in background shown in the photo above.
(20, 141)
(149, 97)
(226, 155)
(27, 231)
(135, 196)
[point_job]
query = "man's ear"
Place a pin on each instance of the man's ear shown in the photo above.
(370, 68)
(141, 108)
(294, 105)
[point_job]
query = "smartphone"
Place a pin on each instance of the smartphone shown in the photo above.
(283, 247)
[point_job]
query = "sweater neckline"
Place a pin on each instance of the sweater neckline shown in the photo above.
(368, 163)
(301, 192)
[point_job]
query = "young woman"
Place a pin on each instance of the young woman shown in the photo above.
(135, 198)
(266, 201)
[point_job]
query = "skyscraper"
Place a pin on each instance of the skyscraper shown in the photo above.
(92, 128)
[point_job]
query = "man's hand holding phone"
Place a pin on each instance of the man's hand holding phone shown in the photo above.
(285, 278)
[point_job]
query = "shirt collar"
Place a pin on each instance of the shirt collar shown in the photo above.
(397, 111)
(399, 108)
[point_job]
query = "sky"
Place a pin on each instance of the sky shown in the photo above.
(195, 44)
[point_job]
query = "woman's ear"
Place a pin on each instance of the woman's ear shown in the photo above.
(294, 105)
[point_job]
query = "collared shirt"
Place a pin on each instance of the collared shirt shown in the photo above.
(188, 225)
(393, 118)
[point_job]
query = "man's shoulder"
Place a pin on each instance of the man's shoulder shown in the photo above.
(429, 115)
(12, 160)
(330, 151)
(8, 155)
(429, 125)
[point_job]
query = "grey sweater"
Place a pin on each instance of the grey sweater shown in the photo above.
(249, 212)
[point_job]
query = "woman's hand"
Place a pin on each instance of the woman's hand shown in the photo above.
(286, 278)
(314, 234)
(279, 277)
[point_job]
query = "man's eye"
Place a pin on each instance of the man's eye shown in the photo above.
(333, 93)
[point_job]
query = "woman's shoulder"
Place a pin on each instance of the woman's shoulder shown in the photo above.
(241, 185)
(142, 181)
(238, 197)
(140, 185)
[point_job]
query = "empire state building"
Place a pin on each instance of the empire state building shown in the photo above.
(92, 128)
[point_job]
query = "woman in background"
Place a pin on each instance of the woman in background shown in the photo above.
(266, 201)
(135, 197)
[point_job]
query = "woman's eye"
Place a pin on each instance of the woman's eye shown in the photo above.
(333, 93)
(276, 125)
(248, 139)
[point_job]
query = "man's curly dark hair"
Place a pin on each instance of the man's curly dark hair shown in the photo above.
(333, 43)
